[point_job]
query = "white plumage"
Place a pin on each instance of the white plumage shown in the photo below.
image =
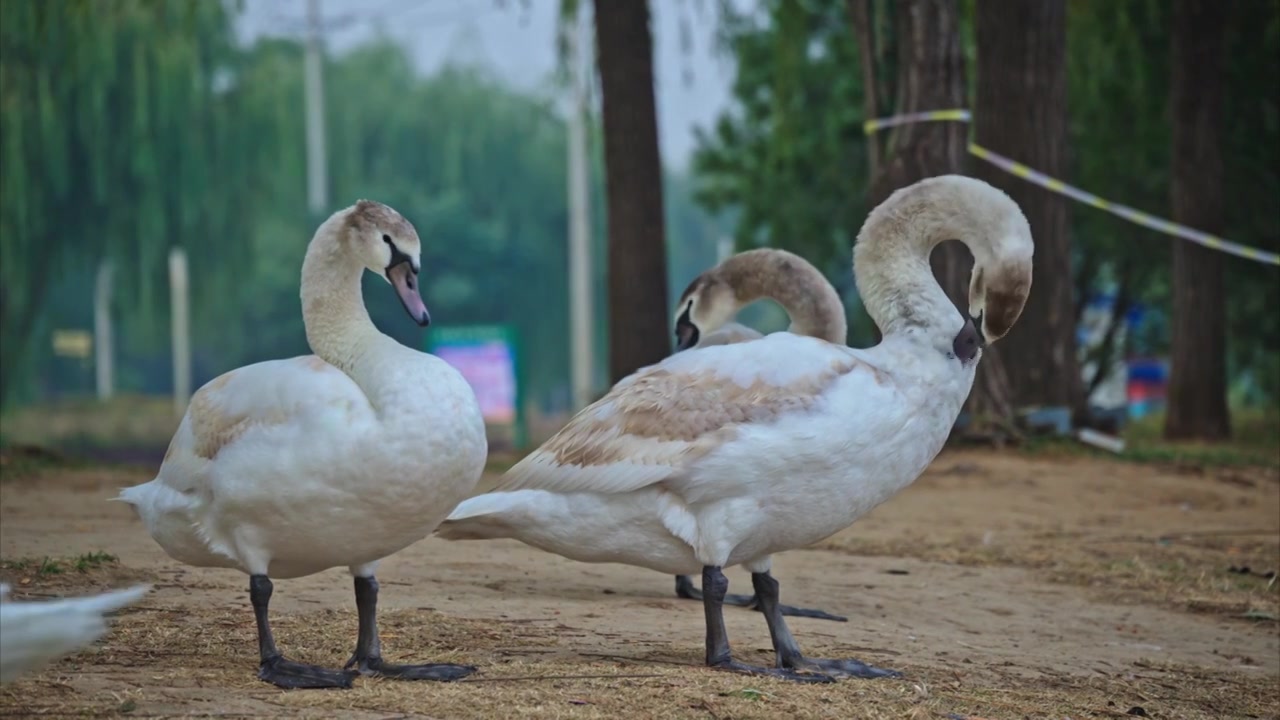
(725, 455)
(288, 467)
(35, 633)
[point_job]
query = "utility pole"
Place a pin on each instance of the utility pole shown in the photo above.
(317, 167)
(580, 296)
(180, 320)
(724, 248)
(103, 351)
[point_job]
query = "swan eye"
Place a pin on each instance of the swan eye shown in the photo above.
(386, 238)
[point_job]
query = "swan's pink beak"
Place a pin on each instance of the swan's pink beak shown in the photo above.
(405, 281)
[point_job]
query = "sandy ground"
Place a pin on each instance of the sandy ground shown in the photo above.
(1002, 585)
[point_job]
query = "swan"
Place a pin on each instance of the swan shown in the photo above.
(813, 306)
(34, 634)
(726, 455)
(285, 468)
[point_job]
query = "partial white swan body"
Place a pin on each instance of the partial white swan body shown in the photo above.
(286, 468)
(726, 455)
(729, 334)
(35, 633)
(289, 467)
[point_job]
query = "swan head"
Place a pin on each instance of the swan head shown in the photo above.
(705, 306)
(387, 245)
(1001, 280)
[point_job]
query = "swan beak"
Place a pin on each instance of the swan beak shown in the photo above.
(404, 278)
(977, 325)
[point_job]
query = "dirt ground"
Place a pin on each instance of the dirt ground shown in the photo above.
(1003, 585)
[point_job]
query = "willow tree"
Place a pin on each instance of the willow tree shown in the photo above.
(115, 145)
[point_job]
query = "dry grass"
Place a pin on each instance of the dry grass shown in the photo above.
(1183, 572)
(203, 662)
(1166, 537)
(1253, 444)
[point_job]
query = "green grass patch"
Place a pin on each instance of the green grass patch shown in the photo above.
(47, 566)
(1255, 442)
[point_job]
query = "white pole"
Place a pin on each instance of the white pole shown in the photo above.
(317, 164)
(580, 299)
(181, 329)
(103, 351)
(724, 248)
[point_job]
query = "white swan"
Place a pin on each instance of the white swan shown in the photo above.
(811, 303)
(34, 634)
(288, 467)
(726, 455)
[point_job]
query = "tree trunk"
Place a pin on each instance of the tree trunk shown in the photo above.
(638, 320)
(1198, 379)
(1021, 113)
(930, 76)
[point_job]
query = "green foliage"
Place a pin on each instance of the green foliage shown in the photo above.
(199, 142)
(116, 145)
(1119, 79)
(790, 155)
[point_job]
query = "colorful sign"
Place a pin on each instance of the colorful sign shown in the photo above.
(486, 356)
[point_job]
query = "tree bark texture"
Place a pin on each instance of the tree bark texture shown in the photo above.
(638, 318)
(930, 76)
(1197, 400)
(1021, 113)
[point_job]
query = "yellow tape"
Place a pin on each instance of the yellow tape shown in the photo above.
(1128, 213)
(1031, 175)
(871, 127)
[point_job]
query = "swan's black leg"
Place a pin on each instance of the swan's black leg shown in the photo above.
(714, 587)
(274, 668)
(686, 590)
(368, 655)
(788, 652)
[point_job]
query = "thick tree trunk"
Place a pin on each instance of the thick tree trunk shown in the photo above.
(1021, 113)
(930, 76)
(1198, 380)
(638, 320)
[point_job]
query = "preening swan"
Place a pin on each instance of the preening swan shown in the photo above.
(729, 454)
(288, 467)
(811, 303)
(34, 634)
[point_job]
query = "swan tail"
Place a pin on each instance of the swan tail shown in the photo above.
(33, 634)
(492, 516)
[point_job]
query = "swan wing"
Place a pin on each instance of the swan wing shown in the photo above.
(304, 397)
(33, 634)
(653, 424)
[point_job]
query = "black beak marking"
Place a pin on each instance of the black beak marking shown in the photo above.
(977, 325)
(687, 334)
(398, 257)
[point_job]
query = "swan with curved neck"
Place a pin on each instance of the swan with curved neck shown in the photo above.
(285, 468)
(725, 455)
(716, 296)
(812, 305)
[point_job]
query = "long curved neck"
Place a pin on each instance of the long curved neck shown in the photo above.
(339, 329)
(809, 299)
(891, 257)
